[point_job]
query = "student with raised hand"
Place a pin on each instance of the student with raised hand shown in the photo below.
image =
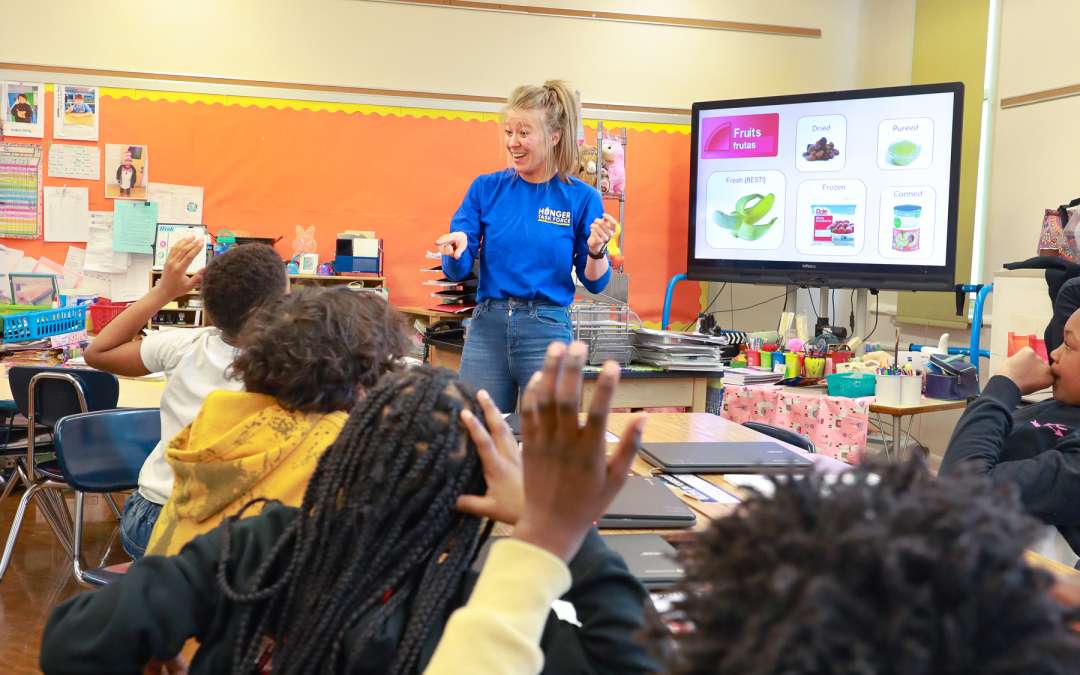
(569, 481)
(886, 570)
(532, 226)
(305, 359)
(195, 360)
(363, 576)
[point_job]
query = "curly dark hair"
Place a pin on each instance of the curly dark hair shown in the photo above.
(316, 349)
(236, 282)
(884, 571)
(377, 531)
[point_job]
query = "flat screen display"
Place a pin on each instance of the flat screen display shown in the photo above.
(841, 189)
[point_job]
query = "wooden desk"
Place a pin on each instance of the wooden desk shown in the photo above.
(680, 427)
(897, 412)
(431, 316)
(637, 389)
(134, 392)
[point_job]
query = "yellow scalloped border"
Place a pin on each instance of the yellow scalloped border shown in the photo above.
(362, 108)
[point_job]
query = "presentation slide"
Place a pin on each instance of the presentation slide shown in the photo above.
(861, 181)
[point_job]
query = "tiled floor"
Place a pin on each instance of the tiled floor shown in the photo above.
(40, 576)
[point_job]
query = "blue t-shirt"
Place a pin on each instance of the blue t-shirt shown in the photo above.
(532, 234)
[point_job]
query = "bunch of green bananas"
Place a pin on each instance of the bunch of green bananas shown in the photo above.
(744, 222)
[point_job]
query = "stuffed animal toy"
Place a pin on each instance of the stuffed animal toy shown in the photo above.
(587, 165)
(614, 158)
(304, 241)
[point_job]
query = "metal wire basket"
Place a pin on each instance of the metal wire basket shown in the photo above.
(608, 330)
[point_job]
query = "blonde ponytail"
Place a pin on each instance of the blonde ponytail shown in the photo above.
(559, 107)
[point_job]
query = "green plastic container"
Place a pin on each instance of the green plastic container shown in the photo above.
(851, 385)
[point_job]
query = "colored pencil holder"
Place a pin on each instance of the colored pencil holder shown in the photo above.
(815, 366)
(753, 358)
(910, 389)
(887, 390)
(791, 365)
(766, 360)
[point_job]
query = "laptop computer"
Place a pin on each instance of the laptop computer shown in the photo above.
(646, 503)
(514, 422)
(649, 558)
(724, 457)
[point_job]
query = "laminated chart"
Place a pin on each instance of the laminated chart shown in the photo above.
(20, 190)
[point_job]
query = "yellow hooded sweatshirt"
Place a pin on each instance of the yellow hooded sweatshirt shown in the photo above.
(241, 446)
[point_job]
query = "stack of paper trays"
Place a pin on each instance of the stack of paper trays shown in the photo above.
(677, 351)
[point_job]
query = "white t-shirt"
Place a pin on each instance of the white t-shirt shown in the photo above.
(194, 361)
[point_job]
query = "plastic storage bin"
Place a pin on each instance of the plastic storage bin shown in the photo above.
(41, 323)
(851, 385)
(101, 313)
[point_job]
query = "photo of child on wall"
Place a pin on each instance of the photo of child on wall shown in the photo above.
(23, 114)
(22, 103)
(79, 106)
(77, 112)
(125, 171)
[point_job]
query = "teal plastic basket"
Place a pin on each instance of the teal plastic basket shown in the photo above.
(43, 323)
(851, 385)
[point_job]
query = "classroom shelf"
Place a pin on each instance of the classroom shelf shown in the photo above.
(295, 279)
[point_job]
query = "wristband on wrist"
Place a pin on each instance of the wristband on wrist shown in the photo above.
(600, 255)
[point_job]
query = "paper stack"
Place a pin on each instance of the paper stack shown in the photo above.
(677, 351)
(751, 376)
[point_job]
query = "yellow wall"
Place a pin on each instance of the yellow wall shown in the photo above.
(390, 46)
(1036, 160)
(950, 45)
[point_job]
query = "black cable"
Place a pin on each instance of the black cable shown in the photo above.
(877, 314)
(757, 304)
(810, 294)
(851, 317)
(832, 301)
(707, 307)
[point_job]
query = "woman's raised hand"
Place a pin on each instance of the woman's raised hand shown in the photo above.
(452, 244)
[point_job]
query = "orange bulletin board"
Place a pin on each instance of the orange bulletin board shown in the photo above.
(270, 165)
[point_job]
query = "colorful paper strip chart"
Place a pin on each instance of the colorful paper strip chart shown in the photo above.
(20, 190)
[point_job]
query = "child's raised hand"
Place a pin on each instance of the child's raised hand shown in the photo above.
(502, 466)
(569, 479)
(174, 279)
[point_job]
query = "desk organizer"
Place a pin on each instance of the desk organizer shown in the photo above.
(25, 326)
(851, 385)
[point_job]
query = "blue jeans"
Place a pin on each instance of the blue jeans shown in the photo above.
(136, 524)
(506, 344)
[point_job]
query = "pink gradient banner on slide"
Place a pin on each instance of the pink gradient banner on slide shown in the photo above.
(740, 136)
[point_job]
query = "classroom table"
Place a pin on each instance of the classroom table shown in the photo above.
(638, 388)
(135, 392)
(897, 412)
(672, 427)
(684, 427)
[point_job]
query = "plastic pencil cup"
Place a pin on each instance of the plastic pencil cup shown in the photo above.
(778, 366)
(766, 360)
(791, 365)
(887, 390)
(815, 366)
(910, 389)
(753, 358)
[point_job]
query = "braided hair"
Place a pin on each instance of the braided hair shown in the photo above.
(377, 529)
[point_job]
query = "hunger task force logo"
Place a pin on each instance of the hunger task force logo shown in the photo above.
(554, 217)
